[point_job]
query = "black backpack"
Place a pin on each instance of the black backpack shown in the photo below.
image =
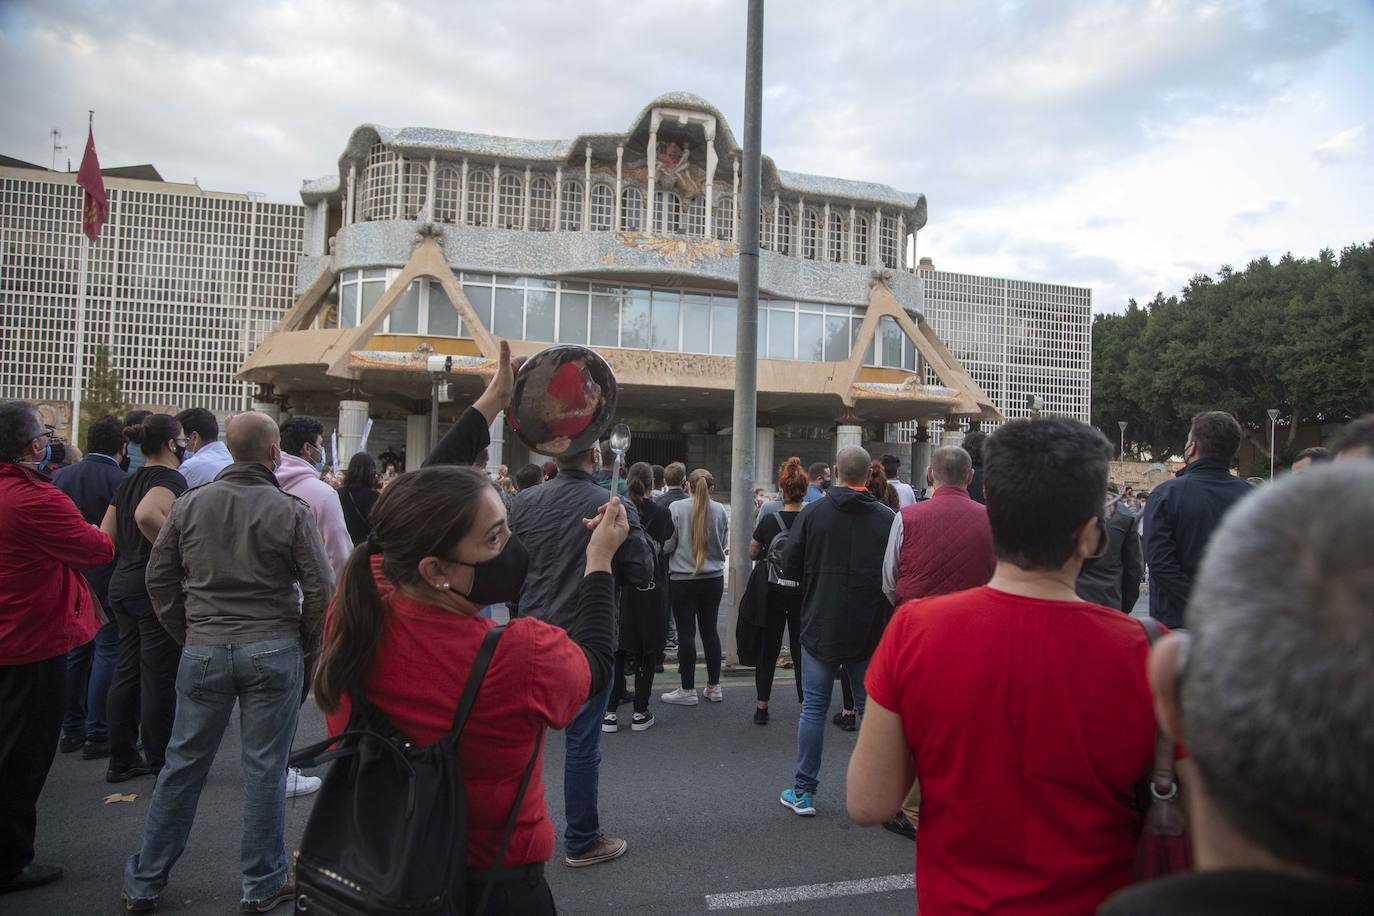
(388, 833)
(777, 547)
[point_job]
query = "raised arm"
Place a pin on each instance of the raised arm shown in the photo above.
(472, 433)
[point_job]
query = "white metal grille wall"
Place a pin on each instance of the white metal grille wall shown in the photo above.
(1015, 338)
(181, 287)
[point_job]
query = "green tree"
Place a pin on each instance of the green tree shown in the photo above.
(104, 388)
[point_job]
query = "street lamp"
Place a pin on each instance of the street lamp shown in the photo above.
(1273, 423)
(1122, 424)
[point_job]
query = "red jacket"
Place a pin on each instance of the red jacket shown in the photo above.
(946, 546)
(45, 604)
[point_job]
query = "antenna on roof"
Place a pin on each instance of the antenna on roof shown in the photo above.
(57, 144)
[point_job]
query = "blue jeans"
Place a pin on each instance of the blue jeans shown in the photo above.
(818, 682)
(90, 668)
(265, 678)
(582, 774)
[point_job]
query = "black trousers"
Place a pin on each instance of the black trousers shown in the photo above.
(641, 666)
(784, 610)
(516, 896)
(32, 697)
(696, 604)
(143, 694)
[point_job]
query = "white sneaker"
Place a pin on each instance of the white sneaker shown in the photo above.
(680, 697)
(298, 785)
(714, 694)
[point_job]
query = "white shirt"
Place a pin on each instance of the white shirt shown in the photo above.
(204, 465)
(905, 495)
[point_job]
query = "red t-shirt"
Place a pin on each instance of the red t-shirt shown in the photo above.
(538, 678)
(1029, 722)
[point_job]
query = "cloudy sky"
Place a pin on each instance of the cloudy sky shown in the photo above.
(1123, 146)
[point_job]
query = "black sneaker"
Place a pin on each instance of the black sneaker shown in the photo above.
(609, 723)
(761, 715)
(846, 720)
(31, 875)
(900, 826)
(642, 721)
(69, 744)
(95, 750)
(128, 773)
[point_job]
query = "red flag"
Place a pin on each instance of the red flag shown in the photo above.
(95, 206)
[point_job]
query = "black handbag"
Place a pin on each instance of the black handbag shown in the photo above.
(388, 833)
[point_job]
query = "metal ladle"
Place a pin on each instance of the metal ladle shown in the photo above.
(619, 442)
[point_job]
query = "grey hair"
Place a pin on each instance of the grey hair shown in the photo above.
(1277, 695)
(20, 424)
(852, 464)
(950, 464)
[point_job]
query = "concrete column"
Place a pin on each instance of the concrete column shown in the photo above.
(853, 233)
(920, 455)
(322, 219)
(875, 239)
(496, 451)
(779, 240)
(824, 253)
(650, 204)
(352, 419)
(431, 182)
(495, 195)
(350, 194)
(558, 198)
(734, 204)
(272, 409)
(463, 193)
(901, 240)
(587, 190)
(417, 440)
(399, 211)
(525, 203)
(619, 166)
(847, 435)
(765, 468)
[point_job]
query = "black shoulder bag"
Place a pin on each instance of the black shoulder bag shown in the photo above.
(388, 833)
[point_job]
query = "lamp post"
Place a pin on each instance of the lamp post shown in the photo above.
(1122, 424)
(1273, 423)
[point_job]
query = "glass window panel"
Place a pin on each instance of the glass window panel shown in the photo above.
(573, 285)
(540, 283)
(836, 339)
(508, 313)
(723, 327)
(781, 328)
(539, 313)
(443, 317)
(517, 282)
(480, 299)
(810, 336)
(348, 306)
(696, 324)
(375, 274)
(634, 320)
(892, 343)
(665, 320)
(405, 317)
(908, 354)
(476, 278)
(605, 320)
(372, 293)
(572, 319)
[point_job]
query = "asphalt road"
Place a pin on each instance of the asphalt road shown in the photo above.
(696, 796)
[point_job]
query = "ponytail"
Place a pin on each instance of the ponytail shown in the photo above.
(700, 482)
(355, 628)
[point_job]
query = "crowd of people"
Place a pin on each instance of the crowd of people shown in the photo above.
(1009, 707)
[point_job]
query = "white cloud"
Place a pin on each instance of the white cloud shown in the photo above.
(1345, 145)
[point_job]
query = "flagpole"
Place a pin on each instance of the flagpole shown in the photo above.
(75, 426)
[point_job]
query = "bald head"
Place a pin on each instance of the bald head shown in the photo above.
(950, 465)
(852, 465)
(253, 437)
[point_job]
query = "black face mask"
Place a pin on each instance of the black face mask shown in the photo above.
(179, 451)
(825, 485)
(499, 579)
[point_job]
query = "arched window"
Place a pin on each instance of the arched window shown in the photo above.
(448, 183)
(785, 223)
(603, 208)
(416, 186)
(667, 213)
(379, 184)
(541, 204)
(838, 237)
(696, 217)
(479, 198)
(766, 227)
(631, 210)
(860, 239)
(810, 234)
(510, 207)
(887, 242)
(724, 219)
(570, 210)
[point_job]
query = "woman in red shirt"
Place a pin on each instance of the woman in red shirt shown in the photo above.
(404, 631)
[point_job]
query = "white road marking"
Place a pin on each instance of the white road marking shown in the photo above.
(740, 900)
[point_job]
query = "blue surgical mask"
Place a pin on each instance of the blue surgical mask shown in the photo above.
(320, 465)
(47, 456)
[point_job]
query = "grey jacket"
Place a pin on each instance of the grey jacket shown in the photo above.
(238, 546)
(548, 521)
(681, 561)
